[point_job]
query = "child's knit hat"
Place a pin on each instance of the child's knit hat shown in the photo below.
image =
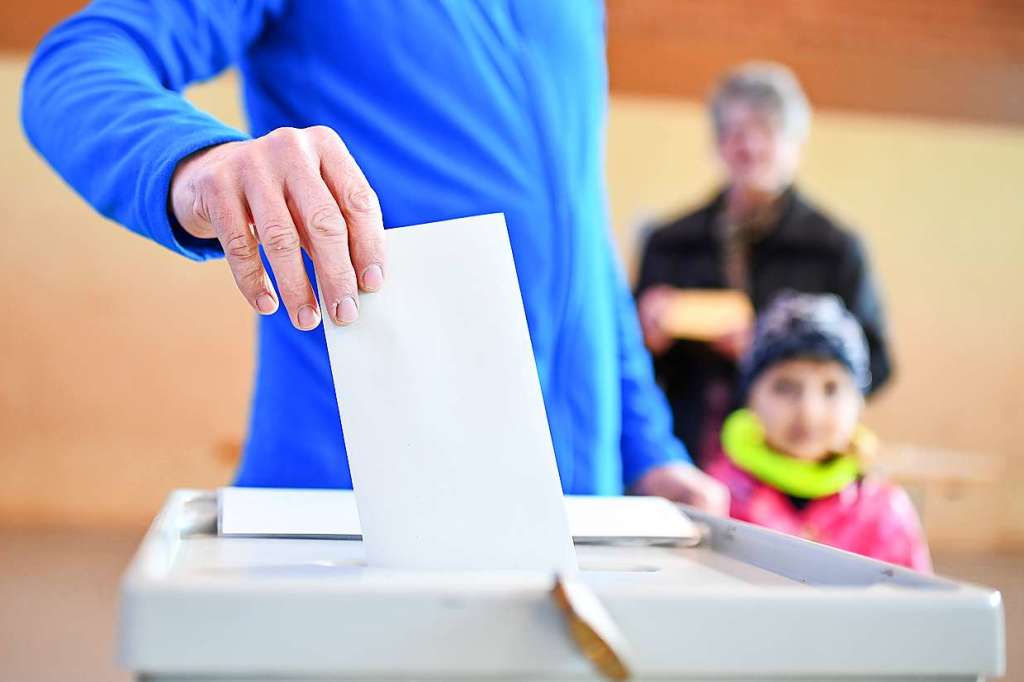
(806, 326)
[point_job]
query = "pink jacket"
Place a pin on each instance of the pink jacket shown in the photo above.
(871, 517)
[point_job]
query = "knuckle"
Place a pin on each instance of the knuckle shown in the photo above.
(284, 138)
(213, 181)
(214, 211)
(323, 133)
(329, 139)
(239, 246)
(211, 202)
(280, 237)
(363, 200)
(283, 133)
(326, 221)
(201, 208)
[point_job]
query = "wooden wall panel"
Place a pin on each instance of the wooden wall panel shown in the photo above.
(23, 24)
(955, 58)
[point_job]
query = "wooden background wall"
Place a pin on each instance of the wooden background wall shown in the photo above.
(961, 59)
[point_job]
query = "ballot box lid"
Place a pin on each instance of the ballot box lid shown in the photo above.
(746, 602)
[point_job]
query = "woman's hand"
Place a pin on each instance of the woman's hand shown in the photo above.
(650, 309)
(734, 345)
(288, 190)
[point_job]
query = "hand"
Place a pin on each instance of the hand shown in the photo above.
(288, 190)
(734, 345)
(650, 308)
(687, 484)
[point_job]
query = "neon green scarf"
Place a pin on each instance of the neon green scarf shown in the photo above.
(744, 443)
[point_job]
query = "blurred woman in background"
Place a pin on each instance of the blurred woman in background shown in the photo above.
(757, 237)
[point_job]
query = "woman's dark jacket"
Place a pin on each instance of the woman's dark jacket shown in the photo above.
(808, 252)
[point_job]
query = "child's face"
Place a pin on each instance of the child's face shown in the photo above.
(809, 408)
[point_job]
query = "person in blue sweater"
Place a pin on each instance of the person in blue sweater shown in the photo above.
(397, 111)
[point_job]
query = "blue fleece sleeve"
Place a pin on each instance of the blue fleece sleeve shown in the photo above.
(102, 102)
(647, 439)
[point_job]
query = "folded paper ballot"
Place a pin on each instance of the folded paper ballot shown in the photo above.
(304, 513)
(441, 407)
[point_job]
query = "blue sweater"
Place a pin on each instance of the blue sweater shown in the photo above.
(452, 108)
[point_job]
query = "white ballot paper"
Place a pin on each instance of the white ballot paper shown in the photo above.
(447, 437)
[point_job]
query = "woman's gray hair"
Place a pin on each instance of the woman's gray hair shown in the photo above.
(767, 86)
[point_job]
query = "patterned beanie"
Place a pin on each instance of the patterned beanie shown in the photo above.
(806, 325)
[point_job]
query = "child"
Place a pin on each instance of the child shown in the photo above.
(795, 458)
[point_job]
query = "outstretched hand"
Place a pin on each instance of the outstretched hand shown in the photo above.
(687, 484)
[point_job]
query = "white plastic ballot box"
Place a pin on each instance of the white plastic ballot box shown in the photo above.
(747, 603)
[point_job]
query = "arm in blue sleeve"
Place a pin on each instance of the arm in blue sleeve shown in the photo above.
(647, 440)
(101, 102)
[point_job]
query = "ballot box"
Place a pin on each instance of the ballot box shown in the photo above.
(746, 603)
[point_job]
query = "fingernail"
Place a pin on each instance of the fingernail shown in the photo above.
(348, 311)
(309, 317)
(266, 303)
(373, 277)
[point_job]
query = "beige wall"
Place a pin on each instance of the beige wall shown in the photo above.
(125, 369)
